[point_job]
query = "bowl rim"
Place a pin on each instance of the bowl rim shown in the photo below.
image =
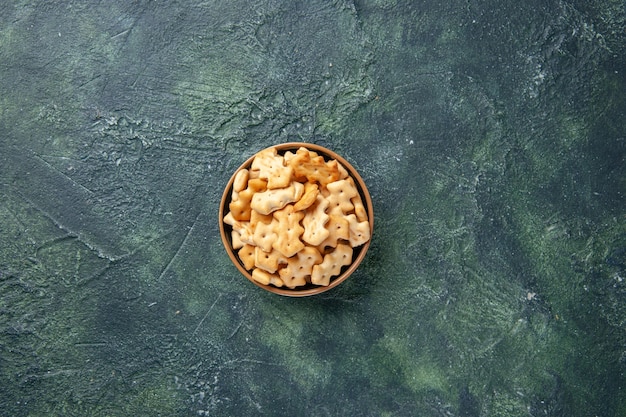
(347, 270)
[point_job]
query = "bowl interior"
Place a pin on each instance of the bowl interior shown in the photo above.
(358, 252)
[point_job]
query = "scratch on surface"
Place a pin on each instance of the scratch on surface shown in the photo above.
(92, 344)
(207, 314)
(97, 77)
(251, 361)
(70, 233)
(72, 180)
(51, 242)
(180, 247)
(234, 332)
(122, 33)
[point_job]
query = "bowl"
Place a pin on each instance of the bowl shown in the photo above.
(358, 252)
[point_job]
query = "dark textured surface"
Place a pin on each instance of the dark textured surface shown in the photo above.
(491, 136)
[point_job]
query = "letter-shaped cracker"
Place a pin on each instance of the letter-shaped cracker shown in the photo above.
(299, 267)
(272, 200)
(271, 167)
(315, 218)
(289, 231)
(331, 265)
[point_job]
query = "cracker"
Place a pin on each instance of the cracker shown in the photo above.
(236, 240)
(343, 172)
(264, 234)
(296, 218)
(357, 202)
(240, 208)
(288, 230)
(340, 194)
(267, 261)
(338, 228)
(314, 221)
(269, 201)
(246, 254)
(256, 218)
(266, 278)
(331, 265)
(308, 166)
(241, 180)
(270, 166)
(243, 228)
(300, 267)
(359, 231)
(359, 209)
(288, 156)
(308, 198)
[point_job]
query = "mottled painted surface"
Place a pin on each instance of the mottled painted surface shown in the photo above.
(492, 139)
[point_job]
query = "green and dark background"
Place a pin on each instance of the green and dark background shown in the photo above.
(491, 135)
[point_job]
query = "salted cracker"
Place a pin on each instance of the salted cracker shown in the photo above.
(267, 261)
(338, 228)
(271, 166)
(241, 227)
(331, 265)
(266, 278)
(359, 231)
(308, 166)
(314, 221)
(236, 240)
(269, 201)
(308, 198)
(300, 267)
(288, 231)
(340, 194)
(246, 254)
(240, 208)
(241, 180)
(265, 235)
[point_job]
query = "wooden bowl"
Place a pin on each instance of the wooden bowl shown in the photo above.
(358, 252)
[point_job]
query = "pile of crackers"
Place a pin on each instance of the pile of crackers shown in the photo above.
(295, 218)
